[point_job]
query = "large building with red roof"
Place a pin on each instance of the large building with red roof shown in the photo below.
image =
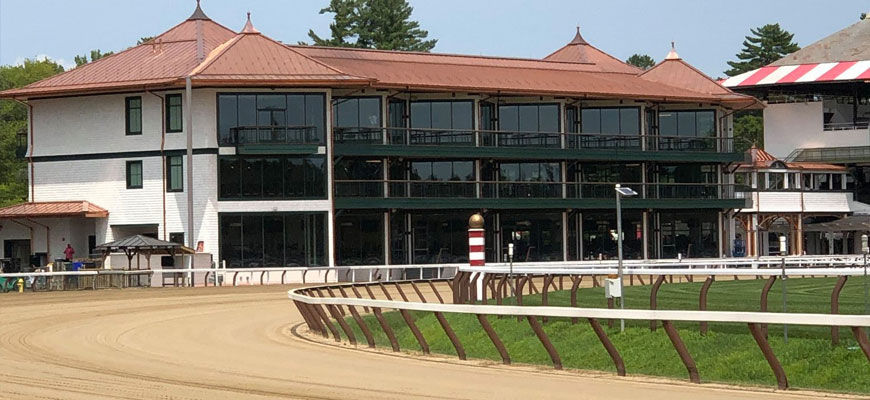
(268, 154)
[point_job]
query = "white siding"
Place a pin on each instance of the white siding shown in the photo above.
(791, 126)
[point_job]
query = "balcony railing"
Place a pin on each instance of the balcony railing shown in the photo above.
(831, 154)
(529, 190)
(274, 135)
(846, 126)
(556, 140)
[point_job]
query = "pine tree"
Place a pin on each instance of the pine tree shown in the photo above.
(378, 24)
(766, 45)
(641, 61)
(95, 55)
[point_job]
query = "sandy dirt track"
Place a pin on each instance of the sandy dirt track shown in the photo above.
(233, 343)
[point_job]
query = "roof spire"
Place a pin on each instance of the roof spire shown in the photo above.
(672, 55)
(577, 38)
(198, 14)
(249, 27)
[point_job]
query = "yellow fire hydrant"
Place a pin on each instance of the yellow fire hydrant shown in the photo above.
(20, 285)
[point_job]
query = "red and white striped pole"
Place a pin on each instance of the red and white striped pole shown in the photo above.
(476, 257)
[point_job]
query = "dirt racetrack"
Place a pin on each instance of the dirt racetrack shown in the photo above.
(233, 343)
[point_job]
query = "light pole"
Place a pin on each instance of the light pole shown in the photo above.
(627, 192)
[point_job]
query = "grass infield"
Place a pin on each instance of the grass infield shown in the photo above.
(727, 353)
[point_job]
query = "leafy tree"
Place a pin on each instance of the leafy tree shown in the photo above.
(748, 130)
(144, 39)
(13, 119)
(641, 61)
(766, 45)
(379, 24)
(95, 55)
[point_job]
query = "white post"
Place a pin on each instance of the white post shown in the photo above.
(619, 253)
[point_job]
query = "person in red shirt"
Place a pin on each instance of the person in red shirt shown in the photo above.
(69, 252)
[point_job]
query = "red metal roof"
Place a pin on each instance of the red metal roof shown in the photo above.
(580, 51)
(250, 57)
(54, 209)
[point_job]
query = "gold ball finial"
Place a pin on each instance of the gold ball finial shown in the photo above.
(475, 222)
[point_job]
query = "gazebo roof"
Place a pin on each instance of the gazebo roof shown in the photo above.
(141, 243)
(852, 223)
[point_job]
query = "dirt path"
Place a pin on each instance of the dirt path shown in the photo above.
(232, 343)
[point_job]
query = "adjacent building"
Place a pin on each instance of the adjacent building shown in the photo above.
(276, 155)
(815, 166)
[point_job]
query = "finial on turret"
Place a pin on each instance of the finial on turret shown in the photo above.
(672, 55)
(249, 27)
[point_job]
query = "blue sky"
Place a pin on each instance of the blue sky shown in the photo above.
(707, 33)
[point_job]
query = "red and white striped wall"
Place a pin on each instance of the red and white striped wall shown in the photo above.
(804, 73)
(476, 257)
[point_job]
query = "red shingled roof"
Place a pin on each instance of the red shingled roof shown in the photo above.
(252, 58)
(54, 209)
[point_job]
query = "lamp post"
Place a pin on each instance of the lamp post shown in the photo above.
(620, 192)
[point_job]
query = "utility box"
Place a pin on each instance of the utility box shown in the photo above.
(612, 288)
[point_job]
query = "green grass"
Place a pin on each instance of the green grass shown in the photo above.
(727, 354)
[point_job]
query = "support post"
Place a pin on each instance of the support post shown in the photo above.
(542, 336)
(653, 299)
(764, 292)
(835, 307)
(683, 352)
(493, 336)
(460, 351)
(781, 380)
(702, 301)
(608, 345)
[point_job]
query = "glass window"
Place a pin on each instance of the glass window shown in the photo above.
(228, 118)
(536, 236)
(275, 177)
(612, 121)
(690, 123)
(524, 124)
(254, 118)
(600, 235)
(359, 239)
(177, 237)
(357, 177)
(174, 174)
(134, 174)
(396, 119)
(230, 178)
(442, 121)
(691, 234)
(775, 180)
(357, 118)
(174, 114)
(133, 115)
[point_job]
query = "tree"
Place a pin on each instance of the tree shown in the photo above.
(641, 61)
(144, 39)
(95, 55)
(378, 24)
(748, 130)
(13, 119)
(766, 45)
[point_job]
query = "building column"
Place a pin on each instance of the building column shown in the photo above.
(646, 237)
(565, 236)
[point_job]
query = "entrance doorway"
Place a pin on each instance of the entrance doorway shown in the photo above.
(18, 251)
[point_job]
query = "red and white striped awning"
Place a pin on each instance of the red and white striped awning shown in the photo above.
(804, 73)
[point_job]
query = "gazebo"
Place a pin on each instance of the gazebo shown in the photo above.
(136, 245)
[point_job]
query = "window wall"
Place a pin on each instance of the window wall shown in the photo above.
(600, 235)
(272, 177)
(442, 122)
(684, 181)
(359, 238)
(296, 118)
(443, 179)
(687, 130)
(357, 119)
(529, 125)
(597, 179)
(528, 179)
(610, 123)
(361, 177)
(691, 234)
(537, 236)
(252, 240)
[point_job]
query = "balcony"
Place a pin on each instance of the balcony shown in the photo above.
(502, 194)
(846, 126)
(547, 145)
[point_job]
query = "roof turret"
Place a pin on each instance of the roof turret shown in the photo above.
(198, 14)
(249, 27)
